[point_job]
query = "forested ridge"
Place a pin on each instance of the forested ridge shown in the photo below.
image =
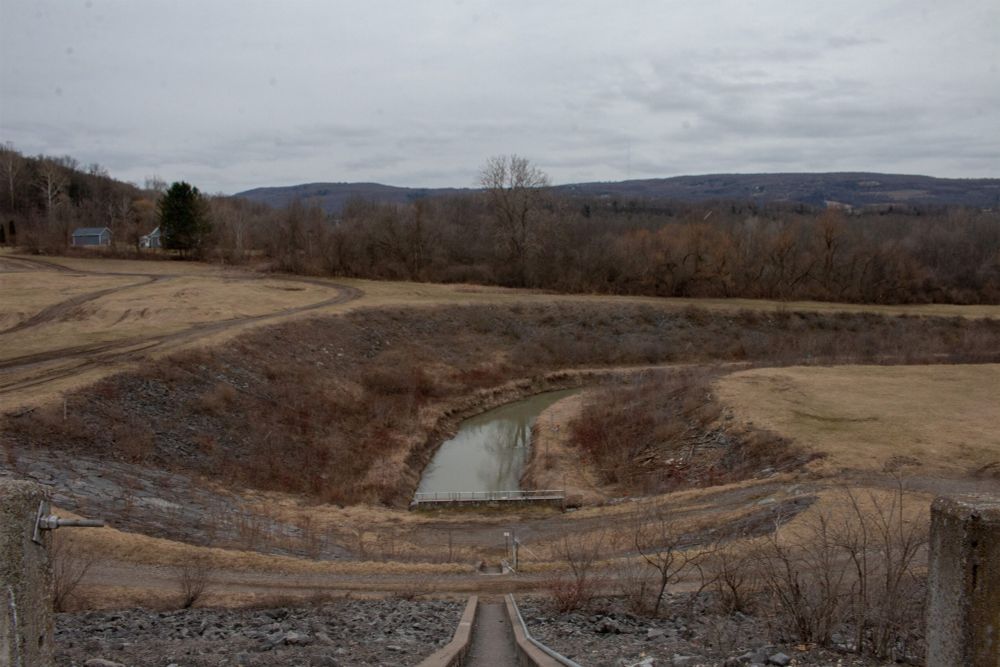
(524, 234)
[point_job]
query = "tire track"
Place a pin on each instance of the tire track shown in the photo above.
(59, 310)
(81, 358)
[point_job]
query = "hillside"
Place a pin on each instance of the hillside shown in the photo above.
(332, 197)
(851, 188)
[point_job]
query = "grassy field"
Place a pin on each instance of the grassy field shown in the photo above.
(67, 323)
(938, 419)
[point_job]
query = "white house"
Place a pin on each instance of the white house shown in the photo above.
(151, 240)
(84, 236)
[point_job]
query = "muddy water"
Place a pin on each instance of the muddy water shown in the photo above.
(489, 450)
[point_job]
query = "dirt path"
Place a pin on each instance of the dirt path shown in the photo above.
(35, 370)
(117, 584)
(492, 638)
(63, 308)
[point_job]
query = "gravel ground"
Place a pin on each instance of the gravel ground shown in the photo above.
(350, 632)
(685, 635)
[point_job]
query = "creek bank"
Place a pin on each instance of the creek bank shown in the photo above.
(554, 463)
(445, 419)
(389, 631)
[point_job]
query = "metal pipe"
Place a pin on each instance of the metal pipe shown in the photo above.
(56, 522)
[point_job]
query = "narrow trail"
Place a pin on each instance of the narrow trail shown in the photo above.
(492, 638)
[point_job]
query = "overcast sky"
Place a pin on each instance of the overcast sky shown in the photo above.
(234, 94)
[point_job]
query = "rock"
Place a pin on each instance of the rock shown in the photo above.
(684, 660)
(654, 633)
(323, 661)
(779, 659)
(101, 662)
(296, 639)
(323, 638)
(608, 626)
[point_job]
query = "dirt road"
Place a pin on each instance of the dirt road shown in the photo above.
(41, 370)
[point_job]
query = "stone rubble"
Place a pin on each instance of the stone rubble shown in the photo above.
(388, 631)
(686, 634)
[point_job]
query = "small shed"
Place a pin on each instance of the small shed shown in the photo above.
(151, 240)
(84, 236)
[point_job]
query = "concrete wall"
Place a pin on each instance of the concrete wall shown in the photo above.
(528, 655)
(454, 653)
(25, 579)
(963, 606)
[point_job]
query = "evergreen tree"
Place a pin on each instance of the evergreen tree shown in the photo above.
(184, 223)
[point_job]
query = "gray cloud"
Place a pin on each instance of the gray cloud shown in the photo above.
(232, 95)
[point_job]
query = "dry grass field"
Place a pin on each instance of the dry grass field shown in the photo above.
(938, 419)
(66, 323)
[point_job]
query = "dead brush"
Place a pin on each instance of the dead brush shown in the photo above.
(662, 431)
(342, 436)
(193, 577)
(218, 399)
(580, 554)
(70, 564)
(857, 568)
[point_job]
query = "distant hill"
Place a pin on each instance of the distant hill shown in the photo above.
(331, 197)
(850, 188)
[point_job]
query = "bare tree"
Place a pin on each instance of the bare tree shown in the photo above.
(11, 163)
(69, 566)
(52, 183)
(807, 579)
(734, 575)
(193, 577)
(882, 546)
(513, 189)
(155, 184)
(581, 554)
(658, 539)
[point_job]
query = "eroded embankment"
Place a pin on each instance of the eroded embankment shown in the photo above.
(348, 409)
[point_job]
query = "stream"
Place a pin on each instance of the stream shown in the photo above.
(489, 450)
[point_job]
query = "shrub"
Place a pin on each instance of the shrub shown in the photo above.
(860, 565)
(580, 553)
(69, 566)
(192, 577)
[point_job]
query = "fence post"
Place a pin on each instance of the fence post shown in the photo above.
(25, 578)
(963, 605)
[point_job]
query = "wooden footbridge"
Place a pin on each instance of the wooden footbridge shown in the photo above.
(425, 499)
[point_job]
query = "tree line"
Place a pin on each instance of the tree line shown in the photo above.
(517, 232)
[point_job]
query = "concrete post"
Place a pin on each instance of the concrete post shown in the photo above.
(25, 579)
(963, 606)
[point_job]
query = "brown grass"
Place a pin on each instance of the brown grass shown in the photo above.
(554, 462)
(662, 431)
(342, 409)
(929, 419)
(196, 293)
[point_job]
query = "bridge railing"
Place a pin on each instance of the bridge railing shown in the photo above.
(487, 496)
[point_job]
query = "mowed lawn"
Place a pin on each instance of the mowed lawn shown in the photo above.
(938, 419)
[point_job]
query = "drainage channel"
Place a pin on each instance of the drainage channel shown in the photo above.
(493, 633)
(492, 638)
